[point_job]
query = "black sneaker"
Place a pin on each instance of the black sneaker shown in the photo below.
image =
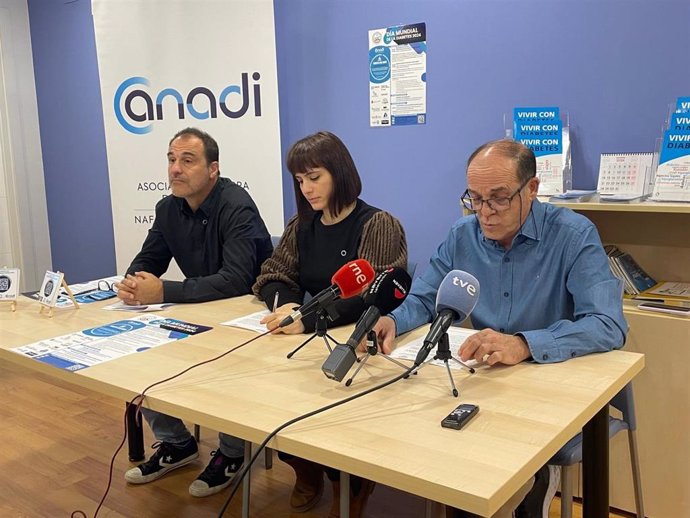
(168, 456)
(537, 502)
(217, 475)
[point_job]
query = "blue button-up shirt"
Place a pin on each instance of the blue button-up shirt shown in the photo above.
(554, 286)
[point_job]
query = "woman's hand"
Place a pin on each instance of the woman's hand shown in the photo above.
(274, 319)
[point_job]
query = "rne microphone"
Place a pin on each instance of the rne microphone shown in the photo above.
(350, 280)
(456, 298)
(386, 293)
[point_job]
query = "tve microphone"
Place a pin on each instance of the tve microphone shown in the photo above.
(350, 280)
(456, 298)
(387, 292)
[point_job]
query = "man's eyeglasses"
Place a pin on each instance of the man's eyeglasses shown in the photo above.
(497, 204)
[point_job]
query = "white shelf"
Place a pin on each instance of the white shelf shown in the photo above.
(645, 206)
(630, 308)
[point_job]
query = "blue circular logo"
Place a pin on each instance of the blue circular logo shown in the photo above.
(379, 68)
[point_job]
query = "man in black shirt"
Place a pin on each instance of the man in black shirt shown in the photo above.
(209, 225)
(215, 233)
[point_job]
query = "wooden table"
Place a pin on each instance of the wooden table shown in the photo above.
(527, 412)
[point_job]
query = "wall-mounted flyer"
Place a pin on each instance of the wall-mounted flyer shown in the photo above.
(541, 130)
(672, 181)
(397, 75)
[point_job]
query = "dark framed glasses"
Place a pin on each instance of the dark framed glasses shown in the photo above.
(104, 285)
(497, 204)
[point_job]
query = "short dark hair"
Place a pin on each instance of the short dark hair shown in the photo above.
(525, 161)
(324, 149)
(210, 144)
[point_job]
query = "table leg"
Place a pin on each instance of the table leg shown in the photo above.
(246, 483)
(595, 466)
(344, 494)
(434, 509)
(135, 435)
(428, 508)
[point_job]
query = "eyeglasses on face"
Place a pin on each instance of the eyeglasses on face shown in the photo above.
(498, 204)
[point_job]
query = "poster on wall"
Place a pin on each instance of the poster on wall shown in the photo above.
(397, 75)
(165, 66)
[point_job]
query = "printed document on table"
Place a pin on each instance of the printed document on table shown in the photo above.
(251, 322)
(76, 351)
(456, 336)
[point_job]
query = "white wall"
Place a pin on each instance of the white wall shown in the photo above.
(8, 255)
(24, 238)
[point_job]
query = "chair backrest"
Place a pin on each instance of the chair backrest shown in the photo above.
(625, 402)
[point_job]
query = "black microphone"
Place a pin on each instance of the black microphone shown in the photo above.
(387, 292)
(456, 298)
(348, 281)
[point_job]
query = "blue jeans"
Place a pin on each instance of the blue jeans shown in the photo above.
(171, 429)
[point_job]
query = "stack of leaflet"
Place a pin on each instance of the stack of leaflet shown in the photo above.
(669, 292)
(574, 196)
(672, 181)
(541, 130)
(626, 269)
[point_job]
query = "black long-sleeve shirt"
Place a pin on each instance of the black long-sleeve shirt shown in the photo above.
(310, 253)
(219, 248)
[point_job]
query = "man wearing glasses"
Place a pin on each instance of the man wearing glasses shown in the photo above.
(547, 293)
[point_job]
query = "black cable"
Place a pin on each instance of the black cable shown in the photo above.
(247, 467)
(140, 398)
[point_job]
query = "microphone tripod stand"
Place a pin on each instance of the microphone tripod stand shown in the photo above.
(321, 330)
(443, 353)
(372, 350)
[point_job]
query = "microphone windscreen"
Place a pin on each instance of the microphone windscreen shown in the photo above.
(389, 289)
(458, 292)
(353, 277)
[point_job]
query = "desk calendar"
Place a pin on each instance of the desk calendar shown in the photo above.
(625, 173)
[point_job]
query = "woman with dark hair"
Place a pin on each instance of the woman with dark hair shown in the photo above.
(332, 226)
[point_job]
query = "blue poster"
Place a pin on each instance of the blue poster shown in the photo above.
(397, 75)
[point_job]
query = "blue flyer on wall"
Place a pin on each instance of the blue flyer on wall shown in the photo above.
(397, 75)
(541, 130)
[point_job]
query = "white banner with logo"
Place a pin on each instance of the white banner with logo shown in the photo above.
(167, 65)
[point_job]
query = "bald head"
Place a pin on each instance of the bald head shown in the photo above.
(525, 162)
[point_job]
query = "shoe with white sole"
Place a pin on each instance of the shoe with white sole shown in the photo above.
(217, 475)
(167, 457)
